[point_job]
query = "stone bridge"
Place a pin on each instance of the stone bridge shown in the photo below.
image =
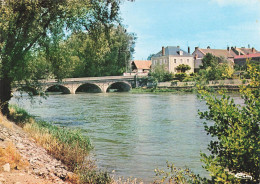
(90, 84)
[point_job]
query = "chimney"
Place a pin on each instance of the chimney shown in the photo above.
(163, 51)
(196, 48)
(189, 50)
(208, 47)
(253, 50)
(249, 46)
(178, 47)
(228, 49)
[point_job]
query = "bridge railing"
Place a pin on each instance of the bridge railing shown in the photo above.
(89, 79)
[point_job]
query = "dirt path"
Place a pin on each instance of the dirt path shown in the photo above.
(35, 165)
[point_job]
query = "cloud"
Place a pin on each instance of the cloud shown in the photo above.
(237, 2)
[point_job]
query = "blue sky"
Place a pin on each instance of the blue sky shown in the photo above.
(214, 23)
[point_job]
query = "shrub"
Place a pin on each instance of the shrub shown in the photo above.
(235, 148)
(12, 156)
(177, 175)
(180, 76)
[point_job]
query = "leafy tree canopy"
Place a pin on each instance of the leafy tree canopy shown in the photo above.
(183, 68)
(40, 25)
(209, 61)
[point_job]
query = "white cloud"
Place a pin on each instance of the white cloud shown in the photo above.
(238, 2)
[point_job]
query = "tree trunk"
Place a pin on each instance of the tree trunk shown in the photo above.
(5, 96)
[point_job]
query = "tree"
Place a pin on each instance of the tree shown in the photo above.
(236, 133)
(100, 55)
(183, 68)
(160, 74)
(209, 61)
(28, 26)
(215, 68)
(150, 56)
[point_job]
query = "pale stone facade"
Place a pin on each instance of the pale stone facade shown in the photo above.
(171, 57)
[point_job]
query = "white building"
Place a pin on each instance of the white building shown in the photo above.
(171, 57)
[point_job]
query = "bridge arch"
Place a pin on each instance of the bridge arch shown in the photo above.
(89, 88)
(58, 88)
(119, 87)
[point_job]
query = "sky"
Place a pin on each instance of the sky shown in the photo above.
(202, 23)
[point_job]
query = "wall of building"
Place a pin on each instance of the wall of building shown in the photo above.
(199, 54)
(178, 60)
(171, 62)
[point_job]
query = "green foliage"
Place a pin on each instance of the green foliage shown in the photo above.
(102, 54)
(218, 72)
(35, 30)
(73, 147)
(209, 61)
(215, 68)
(180, 76)
(160, 74)
(150, 56)
(177, 175)
(183, 68)
(236, 133)
(93, 176)
(20, 116)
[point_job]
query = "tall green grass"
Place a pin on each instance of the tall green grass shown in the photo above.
(69, 146)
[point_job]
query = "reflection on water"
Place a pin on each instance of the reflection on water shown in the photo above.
(132, 133)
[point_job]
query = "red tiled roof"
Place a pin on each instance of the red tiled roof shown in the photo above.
(246, 51)
(248, 56)
(217, 52)
(143, 64)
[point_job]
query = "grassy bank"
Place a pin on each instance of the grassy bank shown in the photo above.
(68, 146)
(163, 90)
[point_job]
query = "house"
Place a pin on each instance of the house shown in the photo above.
(241, 59)
(243, 51)
(199, 53)
(171, 57)
(141, 66)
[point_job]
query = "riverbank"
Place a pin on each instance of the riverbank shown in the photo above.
(22, 160)
(39, 152)
(212, 89)
(163, 90)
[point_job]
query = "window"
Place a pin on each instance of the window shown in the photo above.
(175, 60)
(188, 60)
(181, 60)
(160, 61)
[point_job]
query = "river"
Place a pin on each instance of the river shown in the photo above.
(132, 133)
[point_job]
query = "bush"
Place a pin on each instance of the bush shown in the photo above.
(167, 77)
(177, 175)
(235, 148)
(180, 76)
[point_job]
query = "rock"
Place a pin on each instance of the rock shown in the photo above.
(7, 167)
(2, 180)
(20, 146)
